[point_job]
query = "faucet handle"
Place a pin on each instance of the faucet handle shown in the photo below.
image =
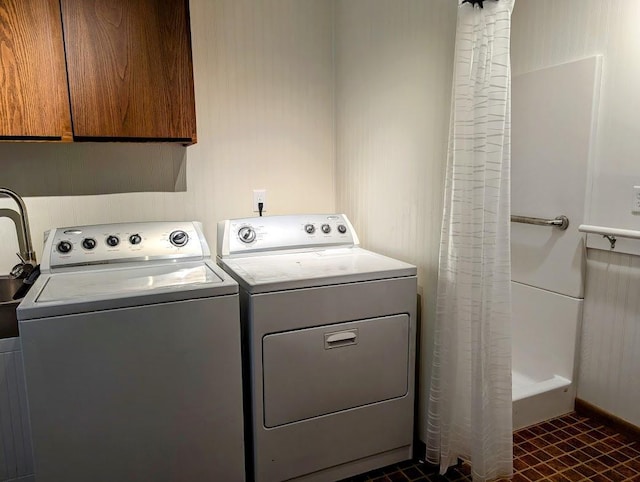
(22, 269)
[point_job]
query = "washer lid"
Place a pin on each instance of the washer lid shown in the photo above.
(276, 272)
(100, 289)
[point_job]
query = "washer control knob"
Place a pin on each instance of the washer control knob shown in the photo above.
(179, 238)
(135, 239)
(342, 228)
(247, 234)
(113, 240)
(326, 229)
(64, 247)
(309, 228)
(89, 243)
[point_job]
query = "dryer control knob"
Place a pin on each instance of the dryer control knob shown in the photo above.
(64, 247)
(246, 234)
(342, 228)
(135, 239)
(326, 229)
(113, 241)
(88, 243)
(309, 228)
(179, 238)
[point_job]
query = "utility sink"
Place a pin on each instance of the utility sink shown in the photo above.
(8, 319)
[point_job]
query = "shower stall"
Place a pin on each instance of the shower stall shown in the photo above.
(554, 112)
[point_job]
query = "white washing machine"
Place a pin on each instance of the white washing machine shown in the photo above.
(131, 345)
(329, 335)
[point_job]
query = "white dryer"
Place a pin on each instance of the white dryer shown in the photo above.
(131, 345)
(329, 335)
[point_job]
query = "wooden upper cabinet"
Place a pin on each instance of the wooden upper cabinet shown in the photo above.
(34, 100)
(129, 69)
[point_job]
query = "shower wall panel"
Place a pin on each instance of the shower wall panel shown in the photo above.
(553, 123)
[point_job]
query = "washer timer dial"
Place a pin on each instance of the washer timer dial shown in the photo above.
(246, 234)
(179, 238)
(64, 247)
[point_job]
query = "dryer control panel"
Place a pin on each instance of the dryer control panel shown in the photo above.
(123, 242)
(241, 237)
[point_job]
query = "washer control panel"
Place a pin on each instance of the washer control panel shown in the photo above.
(122, 242)
(269, 233)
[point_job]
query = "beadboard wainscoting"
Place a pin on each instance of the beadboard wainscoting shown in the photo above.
(610, 348)
(16, 457)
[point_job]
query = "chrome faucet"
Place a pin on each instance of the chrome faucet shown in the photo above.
(27, 256)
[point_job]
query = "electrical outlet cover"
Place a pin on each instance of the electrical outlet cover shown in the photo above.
(259, 196)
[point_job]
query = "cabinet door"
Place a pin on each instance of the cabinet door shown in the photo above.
(34, 100)
(130, 69)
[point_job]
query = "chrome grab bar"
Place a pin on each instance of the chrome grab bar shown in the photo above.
(561, 222)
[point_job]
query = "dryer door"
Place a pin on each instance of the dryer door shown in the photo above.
(321, 370)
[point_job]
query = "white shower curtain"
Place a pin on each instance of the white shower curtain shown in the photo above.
(470, 395)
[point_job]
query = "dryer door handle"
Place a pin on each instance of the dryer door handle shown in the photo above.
(340, 338)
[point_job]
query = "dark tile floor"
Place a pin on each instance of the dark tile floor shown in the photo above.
(565, 449)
